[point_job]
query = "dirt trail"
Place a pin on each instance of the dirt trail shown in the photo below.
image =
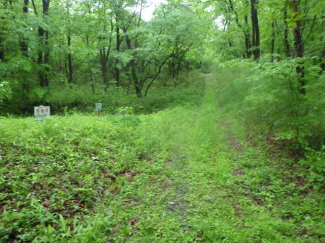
(204, 196)
(178, 203)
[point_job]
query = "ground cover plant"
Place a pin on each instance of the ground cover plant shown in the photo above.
(212, 127)
(184, 174)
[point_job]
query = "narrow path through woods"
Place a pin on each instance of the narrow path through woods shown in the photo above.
(200, 193)
(184, 174)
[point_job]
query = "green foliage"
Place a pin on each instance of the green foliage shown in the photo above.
(52, 183)
(5, 91)
(267, 95)
(164, 94)
(91, 46)
(168, 167)
(314, 162)
(162, 177)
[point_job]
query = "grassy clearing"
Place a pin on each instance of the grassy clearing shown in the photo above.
(179, 175)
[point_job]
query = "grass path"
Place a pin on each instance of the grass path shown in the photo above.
(183, 175)
(202, 197)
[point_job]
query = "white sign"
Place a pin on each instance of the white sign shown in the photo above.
(99, 107)
(42, 113)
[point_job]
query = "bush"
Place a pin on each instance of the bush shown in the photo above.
(63, 98)
(267, 96)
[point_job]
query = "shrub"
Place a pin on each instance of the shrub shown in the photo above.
(267, 96)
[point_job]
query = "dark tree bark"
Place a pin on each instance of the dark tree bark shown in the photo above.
(2, 50)
(134, 76)
(248, 44)
(174, 67)
(40, 56)
(22, 41)
(273, 41)
(157, 73)
(70, 67)
(180, 61)
(118, 46)
(1, 54)
(174, 61)
(44, 51)
(104, 54)
(255, 30)
(25, 7)
(46, 58)
(323, 61)
(286, 33)
(34, 7)
(24, 50)
(70, 72)
(298, 44)
(2, 37)
(103, 63)
(244, 29)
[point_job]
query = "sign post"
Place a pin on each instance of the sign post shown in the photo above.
(42, 113)
(99, 108)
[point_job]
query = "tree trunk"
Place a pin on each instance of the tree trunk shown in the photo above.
(2, 35)
(299, 49)
(174, 67)
(104, 54)
(118, 44)
(25, 7)
(245, 31)
(180, 61)
(1, 54)
(273, 41)
(44, 52)
(323, 61)
(70, 68)
(103, 63)
(46, 59)
(255, 30)
(70, 73)
(248, 44)
(286, 33)
(40, 56)
(157, 73)
(134, 77)
(22, 41)
(2, 49)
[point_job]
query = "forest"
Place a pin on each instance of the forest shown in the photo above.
(211, 126)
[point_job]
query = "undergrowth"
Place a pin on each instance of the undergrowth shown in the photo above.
(69, 99)
(267, 167)
(267, 96)
(183, 174)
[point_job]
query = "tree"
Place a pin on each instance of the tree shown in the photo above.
(255, 30)
(298, 43)
(44, 51)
